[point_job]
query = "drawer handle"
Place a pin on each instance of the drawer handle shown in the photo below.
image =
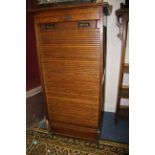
(83, 24)
(48, 26)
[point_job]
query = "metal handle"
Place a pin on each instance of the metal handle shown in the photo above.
(83, 24)
(48, 26)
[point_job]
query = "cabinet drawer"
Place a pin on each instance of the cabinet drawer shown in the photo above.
(67, 15)
(74, 25)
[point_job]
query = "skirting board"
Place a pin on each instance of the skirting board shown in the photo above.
(33, 92)
(109, 107)
(34, 108)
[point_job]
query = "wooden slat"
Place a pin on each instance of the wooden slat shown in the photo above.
(124, 106)
(124, 92)
(75, 130)
(126, 68)
(69, 52)
(80, 120)
(71, 75)
(74, 79)
(79, 37)
(123, 112)
(74, 69)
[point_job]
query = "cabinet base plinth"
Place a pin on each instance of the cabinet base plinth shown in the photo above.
(75, 131)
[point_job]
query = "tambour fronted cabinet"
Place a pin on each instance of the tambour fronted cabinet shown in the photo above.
(70, 54)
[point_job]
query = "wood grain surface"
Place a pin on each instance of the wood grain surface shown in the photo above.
(71, 66)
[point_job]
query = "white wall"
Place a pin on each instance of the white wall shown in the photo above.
(113, 58)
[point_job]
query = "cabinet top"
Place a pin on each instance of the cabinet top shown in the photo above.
(66, 6)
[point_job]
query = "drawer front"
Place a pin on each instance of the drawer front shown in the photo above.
(68, 15)
(74, 25)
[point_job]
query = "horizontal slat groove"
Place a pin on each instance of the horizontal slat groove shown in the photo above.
(73, 126)
(70, 37)
(75, 119)
(82, 102)
(81, 53)
(69, 108)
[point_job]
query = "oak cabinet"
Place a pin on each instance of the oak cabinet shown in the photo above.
(70, 54)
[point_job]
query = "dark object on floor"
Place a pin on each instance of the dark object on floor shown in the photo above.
(39, 142)
(116, 132)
